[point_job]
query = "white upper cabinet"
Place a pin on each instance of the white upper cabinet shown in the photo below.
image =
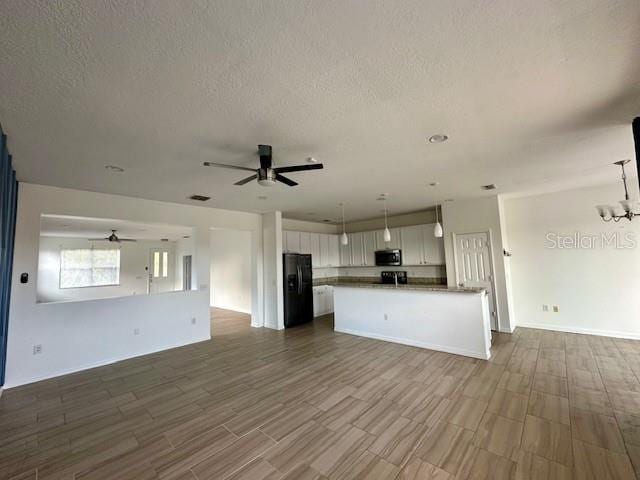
(421, 247)
(291, 242)
(346, 259)
(370, 247)
(396, 239)
(413, 245)
(433, 247)
(357, 248)
(334, 251)
(324, 250)
(305, 242)
(314, 240)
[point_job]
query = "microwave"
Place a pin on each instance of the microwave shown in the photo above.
(387, 258)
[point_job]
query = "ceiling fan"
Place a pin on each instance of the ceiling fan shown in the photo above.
(112, 238)
(266, 175)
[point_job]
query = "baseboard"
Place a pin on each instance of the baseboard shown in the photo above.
(100, 363)
(583, 331)
(413, 343)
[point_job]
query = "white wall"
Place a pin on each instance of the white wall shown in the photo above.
(404, 220)
(185, 246)
(134, 258)
(79, 335)
(312, 227)
(272, 235)
(478, 215)
(231, 270)
(596, 290)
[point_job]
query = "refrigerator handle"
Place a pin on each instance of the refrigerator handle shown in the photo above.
(299, 279)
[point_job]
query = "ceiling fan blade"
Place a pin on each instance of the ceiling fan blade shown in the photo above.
(298, 168)
(222, 165)
(127, 240)
(97, 239)
(246, 180)
(285, 180)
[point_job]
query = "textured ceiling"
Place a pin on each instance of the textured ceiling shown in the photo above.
(533, 94)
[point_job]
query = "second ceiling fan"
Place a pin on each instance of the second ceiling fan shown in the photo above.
(267, 175)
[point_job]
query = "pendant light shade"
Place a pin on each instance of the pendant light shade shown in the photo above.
(437, 229)
(344, 239)
(387, 234)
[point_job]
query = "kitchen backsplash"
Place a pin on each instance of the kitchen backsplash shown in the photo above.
(437, 273)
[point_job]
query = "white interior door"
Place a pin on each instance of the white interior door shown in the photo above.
(159, 278)
(474, 267)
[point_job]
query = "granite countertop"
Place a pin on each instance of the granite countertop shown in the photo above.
(417, 284)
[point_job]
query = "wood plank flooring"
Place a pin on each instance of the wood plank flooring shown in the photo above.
(308, 403)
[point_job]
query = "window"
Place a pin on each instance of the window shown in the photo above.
(89, 268)
(160, 264)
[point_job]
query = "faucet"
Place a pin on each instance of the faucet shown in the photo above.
(395, 277)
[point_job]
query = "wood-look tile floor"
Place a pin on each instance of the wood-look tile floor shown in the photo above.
(308, 403)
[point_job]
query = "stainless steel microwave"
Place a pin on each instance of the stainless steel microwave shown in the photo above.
(389, 258)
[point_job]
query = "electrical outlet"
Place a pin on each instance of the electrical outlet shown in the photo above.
(136, 331)
(193, 321)
(37, 349)
(556, 309)
(545, 308)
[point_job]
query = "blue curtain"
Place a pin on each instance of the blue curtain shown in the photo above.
(8, 208)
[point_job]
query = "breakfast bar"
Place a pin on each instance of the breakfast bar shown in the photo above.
(448, 319)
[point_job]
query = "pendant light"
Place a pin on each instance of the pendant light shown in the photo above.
(344, 239)
(387, 233)
(437, 229)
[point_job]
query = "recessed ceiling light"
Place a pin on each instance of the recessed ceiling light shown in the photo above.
(438, 138)
(491, 186)
(311, 160)
(199, 198)
(114, 168)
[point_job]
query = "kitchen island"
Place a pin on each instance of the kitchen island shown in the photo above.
(453, 320)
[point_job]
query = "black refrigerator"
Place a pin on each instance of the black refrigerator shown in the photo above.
(298, 289)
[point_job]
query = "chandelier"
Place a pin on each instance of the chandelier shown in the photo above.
(608, 213)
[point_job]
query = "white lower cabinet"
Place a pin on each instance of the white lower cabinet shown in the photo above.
(322, 300)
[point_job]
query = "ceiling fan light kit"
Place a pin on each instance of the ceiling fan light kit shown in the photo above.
(112, 238)
(266, 175)
(608, 212)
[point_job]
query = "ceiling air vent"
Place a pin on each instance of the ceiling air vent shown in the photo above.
(200, 198)
(491, 186)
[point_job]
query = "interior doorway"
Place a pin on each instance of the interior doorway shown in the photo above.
(231, 276)
(474, 266)
(160, 271)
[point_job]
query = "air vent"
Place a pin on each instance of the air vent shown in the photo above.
(491, 186)
(200, 198)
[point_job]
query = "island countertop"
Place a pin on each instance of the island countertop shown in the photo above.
(410, 286)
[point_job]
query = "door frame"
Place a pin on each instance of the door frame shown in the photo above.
(494, 293)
